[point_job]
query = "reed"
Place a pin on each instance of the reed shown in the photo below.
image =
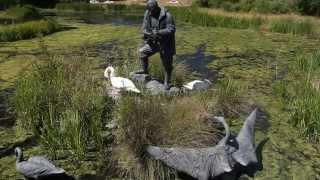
(28, 30)
(63, 104)
(292, 26)
(304, 98)
(161, 121)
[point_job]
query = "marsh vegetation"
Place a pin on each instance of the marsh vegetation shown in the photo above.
(60, 97)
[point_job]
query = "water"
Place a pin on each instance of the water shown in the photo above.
(198, 62)
(99, 18)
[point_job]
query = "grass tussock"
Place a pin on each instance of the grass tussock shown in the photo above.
(161, 121)
(303, 95)
(62, 104)
(28, 30)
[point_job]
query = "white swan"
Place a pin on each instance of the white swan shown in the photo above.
(197, 84)
(119, 82)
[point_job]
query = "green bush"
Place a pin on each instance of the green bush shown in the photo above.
(272, 6)
(292, 26)
(311, 7)
(80, 6)
(28, 30)
(62, 104)
(4, 4)
(24, 13)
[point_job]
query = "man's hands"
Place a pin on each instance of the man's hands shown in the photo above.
(154, 34)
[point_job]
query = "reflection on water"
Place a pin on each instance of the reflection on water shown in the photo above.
(99, 18)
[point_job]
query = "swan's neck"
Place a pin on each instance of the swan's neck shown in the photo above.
(110, 72)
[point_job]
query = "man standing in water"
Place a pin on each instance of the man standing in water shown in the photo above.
(159, 36)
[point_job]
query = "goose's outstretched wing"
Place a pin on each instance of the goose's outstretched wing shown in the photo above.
(46, 163)
(33, 169)
(199, 163)
(246, 153)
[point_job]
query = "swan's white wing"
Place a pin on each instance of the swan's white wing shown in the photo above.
(191, 84)
(123, 83)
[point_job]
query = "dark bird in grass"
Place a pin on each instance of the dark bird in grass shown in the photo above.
(36, 167)
(200, 163)
(205, 163)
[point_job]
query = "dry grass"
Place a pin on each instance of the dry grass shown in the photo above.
(161, 121)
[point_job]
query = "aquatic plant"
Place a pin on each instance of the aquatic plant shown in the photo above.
(292, 26)
(63, 104)
(28, 30)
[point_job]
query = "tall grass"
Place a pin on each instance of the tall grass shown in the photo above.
(63, 104)
(161, 121)
(229, 98)
(28, 30)
(304, 97)
(204, 19)
(291, 26)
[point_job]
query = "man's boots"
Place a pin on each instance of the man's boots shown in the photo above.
(144, 66)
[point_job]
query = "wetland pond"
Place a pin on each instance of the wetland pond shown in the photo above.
(250, 57)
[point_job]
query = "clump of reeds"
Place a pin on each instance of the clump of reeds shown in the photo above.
(304, 97)
(291, 26)
(161, 121)
(63, 104)
(28, 30)
(217, 20)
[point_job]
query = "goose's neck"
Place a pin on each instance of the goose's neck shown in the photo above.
(226, 127)
(19, 157)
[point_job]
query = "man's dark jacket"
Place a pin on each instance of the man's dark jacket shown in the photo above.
(166, 29)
